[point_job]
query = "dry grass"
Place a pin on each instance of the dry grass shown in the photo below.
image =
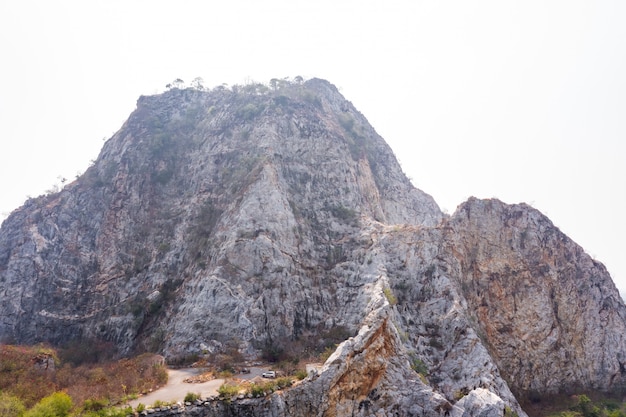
(113, 381)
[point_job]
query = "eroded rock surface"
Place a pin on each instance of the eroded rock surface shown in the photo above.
(551, 314)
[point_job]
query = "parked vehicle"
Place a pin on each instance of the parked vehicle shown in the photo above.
(269, 374)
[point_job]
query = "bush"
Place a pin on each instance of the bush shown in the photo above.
(327, 352)
(120, 412)
(95, 405)
(257, 390)
(191, 397)
(184, 360)
(273, 353)
(109, 412)
(346, 121)
(390, 297)
(225, 374)
(419, 366)
(284, 382)
(58, 404)
(11, 406)
(228, 391)
(160, 403)
(87, 351)
(301, 374)
(585, 407)
(345, 214)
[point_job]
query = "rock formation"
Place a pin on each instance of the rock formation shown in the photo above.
(274, 220)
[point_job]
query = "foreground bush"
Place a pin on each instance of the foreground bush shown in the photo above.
(228, 390)
(11, 406)
(58, 404)
(191, 397)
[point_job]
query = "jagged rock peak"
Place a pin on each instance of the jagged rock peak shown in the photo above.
(528, 284)
(294, 124)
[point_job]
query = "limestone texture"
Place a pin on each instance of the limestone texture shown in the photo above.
(275, 220)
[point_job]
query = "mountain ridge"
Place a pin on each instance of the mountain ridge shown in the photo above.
(265, 218)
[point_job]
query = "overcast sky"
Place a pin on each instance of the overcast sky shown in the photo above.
(524, 101)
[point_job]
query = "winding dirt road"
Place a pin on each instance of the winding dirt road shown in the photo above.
(175, 389)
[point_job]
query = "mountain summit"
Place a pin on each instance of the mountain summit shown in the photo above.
(275, 221)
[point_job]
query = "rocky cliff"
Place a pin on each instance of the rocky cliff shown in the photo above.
(273, 220)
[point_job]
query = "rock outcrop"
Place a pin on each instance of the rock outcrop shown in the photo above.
(551, 315)
(275, 220)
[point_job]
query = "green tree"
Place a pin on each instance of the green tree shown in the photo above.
(58, 404)
(587, 408)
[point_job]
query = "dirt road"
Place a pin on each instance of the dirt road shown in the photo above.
(176, 389)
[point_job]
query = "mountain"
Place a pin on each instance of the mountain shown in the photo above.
(275, 221)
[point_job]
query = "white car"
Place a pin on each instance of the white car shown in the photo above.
(269, 374)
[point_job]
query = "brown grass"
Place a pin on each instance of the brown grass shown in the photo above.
(113, 381)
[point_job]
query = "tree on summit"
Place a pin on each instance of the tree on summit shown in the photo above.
(197, 83)
(177, 83)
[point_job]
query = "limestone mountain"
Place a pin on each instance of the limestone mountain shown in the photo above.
(275, 220)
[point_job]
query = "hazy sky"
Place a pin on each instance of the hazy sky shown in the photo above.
(519, 100)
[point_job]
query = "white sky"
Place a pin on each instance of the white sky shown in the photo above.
(519, 100)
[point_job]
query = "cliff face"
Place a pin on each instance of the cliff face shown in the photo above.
(271, 220)
(551, 315)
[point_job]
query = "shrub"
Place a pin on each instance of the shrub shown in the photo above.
(301, 374)
(10, 406)
(228, 390)
(250, 111)
(160, 403)
(257, 390)
(191, 397)
(225, 374)
(95, 405)
(436, 343)
(346, 121)
(284, 382)
(119, 412)
(87, 351)
(345, 214)
(184, 360)
(273, 353)
(419, 366)
(509, 413)
(390, 297)
(58, 404)
(326, 353)
(109, 412)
